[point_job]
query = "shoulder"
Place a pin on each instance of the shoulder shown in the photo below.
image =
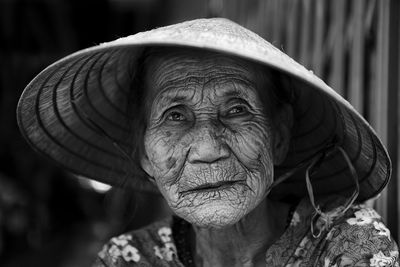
(149, 246)
(360, 238)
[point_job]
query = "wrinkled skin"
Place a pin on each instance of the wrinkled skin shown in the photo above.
(210, 146)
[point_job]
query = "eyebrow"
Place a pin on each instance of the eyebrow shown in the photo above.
(175, 98)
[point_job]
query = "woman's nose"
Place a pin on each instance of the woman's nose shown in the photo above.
(207, 146)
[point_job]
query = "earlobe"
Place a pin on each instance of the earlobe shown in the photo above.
(282, 134)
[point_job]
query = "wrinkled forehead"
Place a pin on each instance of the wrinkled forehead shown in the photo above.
(181, 73)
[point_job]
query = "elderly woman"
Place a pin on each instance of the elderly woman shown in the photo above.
(261, 163)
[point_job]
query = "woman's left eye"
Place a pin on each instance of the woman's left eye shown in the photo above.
(176, 116)
(236, 110)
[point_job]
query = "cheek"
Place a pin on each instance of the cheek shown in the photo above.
(165, 154)
(252, 145)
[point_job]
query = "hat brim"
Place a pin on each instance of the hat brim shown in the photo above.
(76, 112)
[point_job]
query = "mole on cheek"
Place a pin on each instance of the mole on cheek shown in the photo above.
(258, 143)
(232, 130)
(185, 144)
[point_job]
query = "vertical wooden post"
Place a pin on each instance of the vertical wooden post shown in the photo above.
(269, 13)
(262, 19)
(336, 79)
(356, 77)
(379, 96)
(319, 27)
(305, 33)
(278, 22)
(292, 29)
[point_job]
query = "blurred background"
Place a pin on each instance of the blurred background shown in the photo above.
(49, 218)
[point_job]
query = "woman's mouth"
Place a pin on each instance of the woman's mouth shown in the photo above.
(213, 186)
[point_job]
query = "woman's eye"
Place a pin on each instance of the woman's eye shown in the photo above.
(176, 116)
(237, 110)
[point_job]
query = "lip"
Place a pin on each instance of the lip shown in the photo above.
(213, 186)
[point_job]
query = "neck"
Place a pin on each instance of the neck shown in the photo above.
(244, 243)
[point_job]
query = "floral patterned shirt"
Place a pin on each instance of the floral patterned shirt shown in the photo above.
(356, 238)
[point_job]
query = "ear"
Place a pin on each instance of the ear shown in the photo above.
(283, 123)
(147, 167)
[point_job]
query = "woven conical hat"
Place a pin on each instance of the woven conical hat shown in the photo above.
(72, 110)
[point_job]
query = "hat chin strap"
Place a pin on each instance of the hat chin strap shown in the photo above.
(322, 220)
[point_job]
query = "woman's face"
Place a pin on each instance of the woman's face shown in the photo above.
(209, 145)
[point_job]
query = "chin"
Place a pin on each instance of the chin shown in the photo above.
(217, 208)
(214, 215)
